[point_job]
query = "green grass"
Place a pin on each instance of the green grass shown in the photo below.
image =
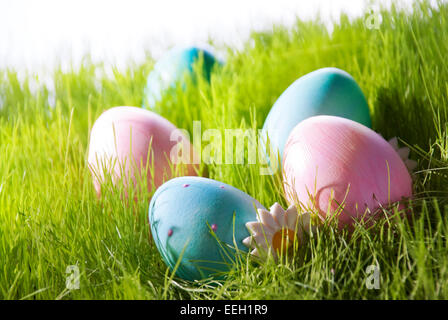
(50, 217)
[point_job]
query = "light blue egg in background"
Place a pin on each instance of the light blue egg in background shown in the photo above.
(327, 91)
(186, 211)
(171, 69)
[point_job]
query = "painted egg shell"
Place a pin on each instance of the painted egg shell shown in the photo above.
(182, 214)
(120, 140)
(171, 69)
(326, 154)
(327, 91)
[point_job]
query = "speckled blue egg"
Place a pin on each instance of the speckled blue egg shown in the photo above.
(327, 91)
(189, 214)
(171, 69)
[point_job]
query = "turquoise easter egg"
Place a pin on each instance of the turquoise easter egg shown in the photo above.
(172, 69)
(327, 91)
(200, 222)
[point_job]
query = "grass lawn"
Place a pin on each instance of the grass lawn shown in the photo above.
(50, 217)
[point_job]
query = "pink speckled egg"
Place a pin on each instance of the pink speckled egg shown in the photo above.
(332, 163)
(120, 141)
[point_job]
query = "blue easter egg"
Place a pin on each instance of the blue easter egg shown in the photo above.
(327, 91)
(189, 214)
(172, 69)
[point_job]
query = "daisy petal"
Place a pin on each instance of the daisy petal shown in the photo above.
(262, 241)
(278, 213)
(255, 252)
(274, 254)
(394, 143)
(267, 219)
(291, 217)
(304, 221)
(248, 242)
(410, 164)
(403, 152)
(256, 227)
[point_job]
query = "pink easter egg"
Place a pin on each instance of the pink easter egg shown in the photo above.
(128, 141)
(332, 163)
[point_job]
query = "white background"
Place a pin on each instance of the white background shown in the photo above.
(36, 35)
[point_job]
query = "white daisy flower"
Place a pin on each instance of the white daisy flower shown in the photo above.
(404, 154)
(276, 231)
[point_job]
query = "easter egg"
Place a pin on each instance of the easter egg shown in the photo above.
(339, 166)
(327, 91)
(173, 68)
(199, 222)
(131, 143)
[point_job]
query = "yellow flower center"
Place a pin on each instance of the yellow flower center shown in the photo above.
(283, 240)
